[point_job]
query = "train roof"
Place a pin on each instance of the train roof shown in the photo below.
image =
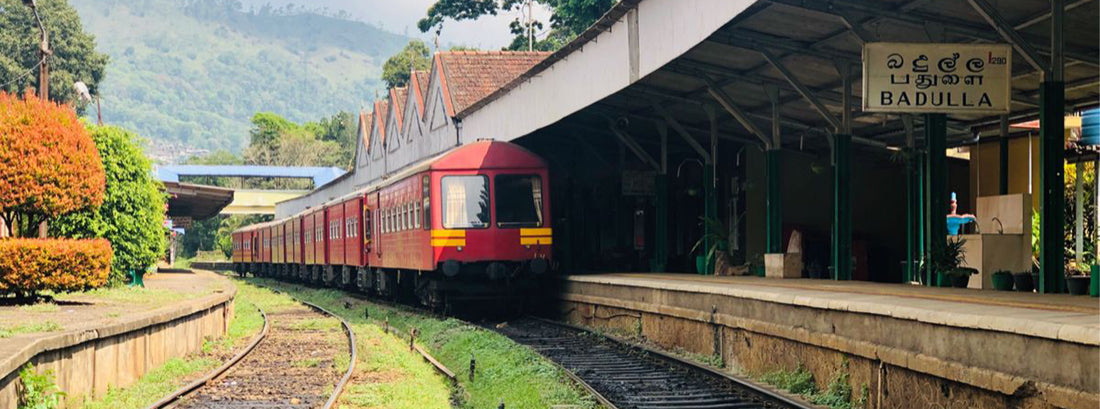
(488, 155)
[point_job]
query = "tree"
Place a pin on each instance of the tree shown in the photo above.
(49, 165)
(267, 126)
(415, 56)
(74, 57)
(132, 214)
(568, 19)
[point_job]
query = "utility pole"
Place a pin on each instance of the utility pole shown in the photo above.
(43, 53)
(530, 28)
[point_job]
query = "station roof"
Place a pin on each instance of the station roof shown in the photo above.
(196, 201)
(783, 42)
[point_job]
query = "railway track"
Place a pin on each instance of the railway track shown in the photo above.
(625, 376)
(290, 364)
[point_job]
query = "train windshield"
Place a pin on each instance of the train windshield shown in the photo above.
(519, 200)
(465, 202)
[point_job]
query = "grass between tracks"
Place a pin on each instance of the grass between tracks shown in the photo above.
(505, 371)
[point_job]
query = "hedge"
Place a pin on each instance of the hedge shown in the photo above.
(28, 266)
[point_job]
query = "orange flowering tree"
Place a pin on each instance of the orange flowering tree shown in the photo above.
(49, 165)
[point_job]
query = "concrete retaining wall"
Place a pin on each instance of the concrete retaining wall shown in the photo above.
(900, 363)
(88, 362)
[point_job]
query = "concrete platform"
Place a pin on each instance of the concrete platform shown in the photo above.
(109, 339)
(993, 349)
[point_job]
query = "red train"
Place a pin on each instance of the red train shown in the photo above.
(471, 222)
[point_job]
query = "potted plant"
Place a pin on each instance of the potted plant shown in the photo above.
(960, 276)
(1003, 280)
(1077, 280)
(715, 257)
(1023, 282)
(946, 261)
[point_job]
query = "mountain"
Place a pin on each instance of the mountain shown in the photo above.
(188, 74)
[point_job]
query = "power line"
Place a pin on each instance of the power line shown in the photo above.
(24, 75)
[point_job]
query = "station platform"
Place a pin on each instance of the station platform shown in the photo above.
(980, 348)
(106, 338)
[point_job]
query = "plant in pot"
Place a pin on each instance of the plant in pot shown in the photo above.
(1023, 282)
(1077, 280)
(714, 256)
(946, 261)
(1003, 281)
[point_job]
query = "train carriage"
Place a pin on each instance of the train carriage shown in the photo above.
(471, 222)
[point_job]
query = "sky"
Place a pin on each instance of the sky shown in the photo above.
(400, 16)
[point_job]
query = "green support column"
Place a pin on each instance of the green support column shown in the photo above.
(920, 208)
(1052, 186)
(842, 207)
(935, 135)
(909, 231)
(774, 201)
(660, 243)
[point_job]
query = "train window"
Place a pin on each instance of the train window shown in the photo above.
(416, 216)
(406, 220)
(426, 198)
(519, 201)
(465, 202)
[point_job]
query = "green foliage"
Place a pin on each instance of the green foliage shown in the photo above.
(74, 56)
(716, 237)
(1088, 201)
(38, 390)
(837, 394)
(800, 381)
(415, 56)
(267, 127)
(568, 19)
(132, 214)
(949, 257)
(192, 73)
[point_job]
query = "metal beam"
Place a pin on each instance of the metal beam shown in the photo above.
(633, 145)
(728, 104)
(952, 26)
(675, 125)
(798, 86)
(991, 16)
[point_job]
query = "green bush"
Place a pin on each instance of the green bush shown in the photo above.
(132, 214)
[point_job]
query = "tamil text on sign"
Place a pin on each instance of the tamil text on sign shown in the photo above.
(937, 78)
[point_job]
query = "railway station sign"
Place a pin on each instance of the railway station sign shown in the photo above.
(937, 78)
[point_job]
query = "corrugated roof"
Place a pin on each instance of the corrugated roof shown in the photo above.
(473, 75)
(364, 127)
(398, 98)
(381, 109)
(419, 82)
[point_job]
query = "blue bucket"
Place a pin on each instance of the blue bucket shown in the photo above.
(1090, 127)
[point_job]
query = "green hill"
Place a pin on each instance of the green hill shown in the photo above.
(189, 74)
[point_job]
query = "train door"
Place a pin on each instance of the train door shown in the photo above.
(353, 244)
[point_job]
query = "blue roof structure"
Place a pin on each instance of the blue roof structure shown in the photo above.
(320, 175)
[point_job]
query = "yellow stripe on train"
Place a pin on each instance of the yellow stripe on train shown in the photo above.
(527, 241)
(542, 231)
(448, 242)
(448, 233)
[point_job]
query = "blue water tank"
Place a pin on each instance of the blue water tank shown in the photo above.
(1090, 127)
